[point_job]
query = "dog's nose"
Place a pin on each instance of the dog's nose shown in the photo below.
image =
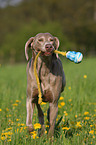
(48, 47)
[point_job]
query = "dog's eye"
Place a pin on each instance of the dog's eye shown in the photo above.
(40, 40)
(51, 40)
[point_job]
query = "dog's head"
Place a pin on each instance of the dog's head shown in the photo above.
(44, 42)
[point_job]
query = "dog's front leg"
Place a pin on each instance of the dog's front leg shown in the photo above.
(30, 109)
(41, 118)
(52, 117)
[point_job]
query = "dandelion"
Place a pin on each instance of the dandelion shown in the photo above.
(59, 106)
(15, 104)
(9, 140)
(86, 118)
(22, 124)
(70, 100)
(66, 114)
(17, 101)
(75, 116)
(45, 131)
(91, 125)
(78, 134)
(85, 76)
(17, 119)
(0, 109)
(47, 125)
(69, 88)
(61, 98)
(25, 127)
(78, 124)
(91, 132)
(37, 125)
(3, 138)
(33, 134)
(62, 103)
(43, 103)
(7, 109)
(65, 128)
(86, 113)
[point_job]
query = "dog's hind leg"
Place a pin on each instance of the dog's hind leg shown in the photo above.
(52, 118)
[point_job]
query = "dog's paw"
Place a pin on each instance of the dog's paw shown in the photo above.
(30, 129)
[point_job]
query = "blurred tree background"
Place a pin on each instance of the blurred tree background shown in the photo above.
(72, 21)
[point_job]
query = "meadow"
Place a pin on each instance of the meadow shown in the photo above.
(76, 120)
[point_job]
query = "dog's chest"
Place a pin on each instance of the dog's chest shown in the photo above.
(47, 78)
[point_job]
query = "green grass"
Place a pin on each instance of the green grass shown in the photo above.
(79, 97)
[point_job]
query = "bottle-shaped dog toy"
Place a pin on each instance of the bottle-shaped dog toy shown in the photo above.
(74, 56)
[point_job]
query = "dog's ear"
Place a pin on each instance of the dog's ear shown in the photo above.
(28, 44)
(56, 42)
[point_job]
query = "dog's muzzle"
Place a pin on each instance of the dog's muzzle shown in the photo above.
(49, 49)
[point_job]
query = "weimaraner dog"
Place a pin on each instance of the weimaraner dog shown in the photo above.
(51, 77)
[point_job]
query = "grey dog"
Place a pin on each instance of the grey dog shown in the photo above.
(51, 77)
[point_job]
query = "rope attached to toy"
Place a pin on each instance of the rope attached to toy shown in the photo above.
(60, 52)
(37, 79)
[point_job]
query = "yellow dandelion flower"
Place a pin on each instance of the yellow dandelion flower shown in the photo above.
(19, 124)
(9, 140)
(15, 104)
(37, 125)
(45, 131)
(78, 134)
(65, 128)
(3, 138)
(61, 98)
(17, 101)
(70, 100)
(86, 113)
(69, 88)
(59, 106)
(86, 118)
(47, 125)
(91, 125)
(85, 76)
(25, 127)
(10, 128)
(43, 103)
(56, 119)
(22, 124)
(75, 116)
(78, 124)
(91, 132)
(62, 103)
(0, 109)
(7, 109)
(66, 114)
(34, 136)
(63, 120)
(17, 119)
(21, 129)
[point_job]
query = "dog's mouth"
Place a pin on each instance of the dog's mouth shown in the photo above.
(47, 53)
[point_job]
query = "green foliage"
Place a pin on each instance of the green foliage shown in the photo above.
(77, 107)
(72, 21)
